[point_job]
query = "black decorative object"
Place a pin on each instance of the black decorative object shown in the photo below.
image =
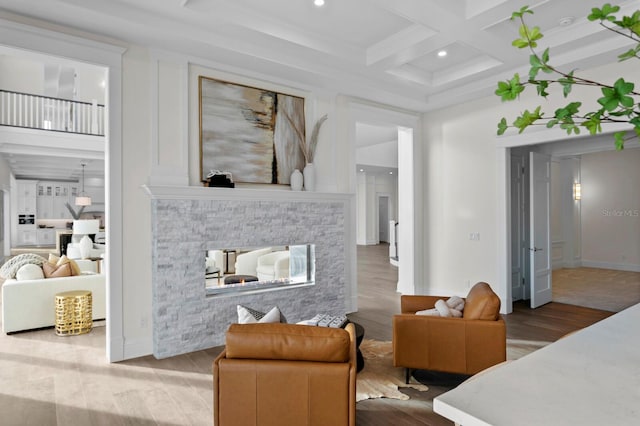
(219, 179)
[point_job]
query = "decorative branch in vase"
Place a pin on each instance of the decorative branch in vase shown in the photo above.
(308, 150)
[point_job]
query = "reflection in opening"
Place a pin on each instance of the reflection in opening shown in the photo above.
(232, 270)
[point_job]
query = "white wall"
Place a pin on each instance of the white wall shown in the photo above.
(465, 166)
(26, 75)
(136, 226)
(383, 155)
(21, 75)
(611, 210)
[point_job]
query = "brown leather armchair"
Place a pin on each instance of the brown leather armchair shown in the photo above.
(464, 345)
(285, 374)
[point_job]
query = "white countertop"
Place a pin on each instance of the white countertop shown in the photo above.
(591, 377)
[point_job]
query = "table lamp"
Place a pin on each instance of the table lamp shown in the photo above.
(86, 228)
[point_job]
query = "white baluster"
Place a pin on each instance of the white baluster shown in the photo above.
(94, 116)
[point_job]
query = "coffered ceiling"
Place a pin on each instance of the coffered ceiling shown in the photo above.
(385, 51)
(381, 50)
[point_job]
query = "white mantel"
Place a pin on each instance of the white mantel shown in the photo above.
(169, 192)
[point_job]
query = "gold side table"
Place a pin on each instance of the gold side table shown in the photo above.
(74, 314)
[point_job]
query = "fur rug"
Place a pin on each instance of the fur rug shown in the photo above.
(379, 378)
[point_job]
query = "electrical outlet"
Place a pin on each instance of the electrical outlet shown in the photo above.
(144, 323)
(474, 236)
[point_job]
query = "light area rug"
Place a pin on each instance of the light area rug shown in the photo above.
(380, 379)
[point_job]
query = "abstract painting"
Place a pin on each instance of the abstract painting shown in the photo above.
(252, 133)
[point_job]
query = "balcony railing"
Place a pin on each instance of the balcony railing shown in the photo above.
(53, 114)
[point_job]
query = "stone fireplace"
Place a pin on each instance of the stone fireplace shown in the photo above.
(186, 221)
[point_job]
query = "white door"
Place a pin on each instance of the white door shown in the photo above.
(383, 219)
(519, 244)
(540, 234)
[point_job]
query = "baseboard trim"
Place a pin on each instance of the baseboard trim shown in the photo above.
(614, 266)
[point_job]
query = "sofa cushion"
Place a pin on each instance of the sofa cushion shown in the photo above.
(53, 271)
(251, 316)
(10, 267)
(482, 303)
(59, 261)
(29, 272)
(288, 342)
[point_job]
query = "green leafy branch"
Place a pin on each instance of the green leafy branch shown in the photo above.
(618, 103)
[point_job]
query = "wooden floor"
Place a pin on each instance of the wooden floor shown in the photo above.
(604, 289)
(50, 380)
(378, 302)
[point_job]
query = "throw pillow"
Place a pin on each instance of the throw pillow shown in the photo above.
(10, 268)
(451, 308)
(251, 316)
(29, 272)
(75, 269)
(52, 271)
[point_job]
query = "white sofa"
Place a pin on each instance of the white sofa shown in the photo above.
(273, 266)
(247, 263)
(214, 260)
(30, 304)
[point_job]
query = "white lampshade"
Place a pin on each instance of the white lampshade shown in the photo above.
(89, 226)
(83, 201)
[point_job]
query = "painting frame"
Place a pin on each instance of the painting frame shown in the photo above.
(250, 132)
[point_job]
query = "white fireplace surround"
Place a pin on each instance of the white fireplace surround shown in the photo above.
(186, 220)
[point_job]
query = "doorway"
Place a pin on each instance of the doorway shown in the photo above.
(409, 187)
(566, 212)
(30, 39)
(383, 218)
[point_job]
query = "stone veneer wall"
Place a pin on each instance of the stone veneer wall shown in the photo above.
(184, 319)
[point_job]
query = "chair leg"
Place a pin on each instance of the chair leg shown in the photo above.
(407, 373)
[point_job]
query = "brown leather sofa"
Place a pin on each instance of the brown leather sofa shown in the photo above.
(464, 345)
(285, 374)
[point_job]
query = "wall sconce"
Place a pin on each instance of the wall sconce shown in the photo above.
(577, 191)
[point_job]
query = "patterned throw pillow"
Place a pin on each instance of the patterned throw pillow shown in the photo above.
(251, 316)
(10, 268)
(53, 271)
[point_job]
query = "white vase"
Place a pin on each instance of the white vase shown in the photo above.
(296, 180)
(309, 177)
(85, 247)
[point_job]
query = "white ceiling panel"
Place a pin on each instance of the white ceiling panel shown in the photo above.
(359, 22)
(374, 49)
(457, 54)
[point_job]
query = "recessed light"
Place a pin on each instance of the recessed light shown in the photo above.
(318, 2)
(390, 173)
(442, 53)
(566, 21)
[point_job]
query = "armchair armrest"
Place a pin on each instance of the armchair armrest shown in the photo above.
(412, 304)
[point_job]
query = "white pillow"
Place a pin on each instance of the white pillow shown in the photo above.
(251, 316)
(10, 268)
(29, 272)
(429, 312)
